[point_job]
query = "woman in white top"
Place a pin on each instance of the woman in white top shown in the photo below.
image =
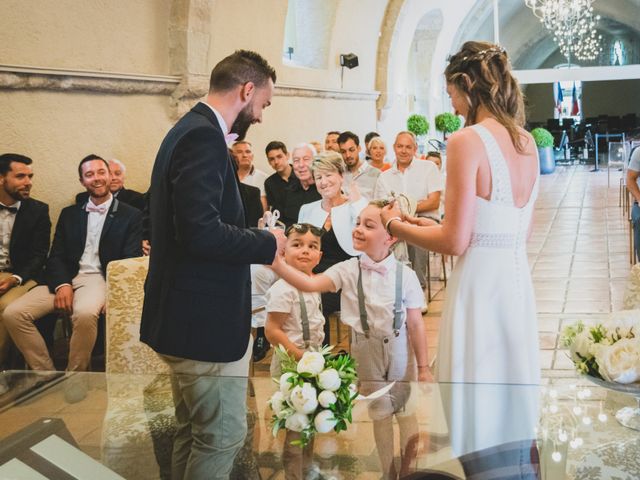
(489, 328)
(336, 214)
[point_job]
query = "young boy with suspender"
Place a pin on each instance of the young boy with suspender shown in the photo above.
(381, 301)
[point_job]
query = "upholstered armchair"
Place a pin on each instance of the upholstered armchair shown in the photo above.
(139, 423)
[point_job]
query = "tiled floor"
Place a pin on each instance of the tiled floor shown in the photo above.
(579, 256)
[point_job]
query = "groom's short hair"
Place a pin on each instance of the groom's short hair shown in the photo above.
(241, 67)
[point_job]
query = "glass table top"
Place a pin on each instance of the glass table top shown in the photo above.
(121, 426)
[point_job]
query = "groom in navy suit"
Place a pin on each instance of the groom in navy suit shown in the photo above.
(197, 306)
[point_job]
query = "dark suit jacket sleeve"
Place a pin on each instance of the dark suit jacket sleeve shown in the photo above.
(40, 238)
(57, 272)
(201, 170)
(133, 241)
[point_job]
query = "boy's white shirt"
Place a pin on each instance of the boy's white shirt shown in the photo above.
(379, 292)
(283, 298)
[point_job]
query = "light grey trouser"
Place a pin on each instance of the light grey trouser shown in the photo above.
(211, 415)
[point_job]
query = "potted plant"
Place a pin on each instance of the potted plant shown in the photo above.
(419, 126)
(447, 123)
(544, 142)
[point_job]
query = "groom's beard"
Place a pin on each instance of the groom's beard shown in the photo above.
(242, 122)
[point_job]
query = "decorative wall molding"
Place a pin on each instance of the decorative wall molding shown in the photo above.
(311, 92)
(20, 77)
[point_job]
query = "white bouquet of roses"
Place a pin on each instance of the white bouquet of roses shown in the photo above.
(315, 394)
(609, 350)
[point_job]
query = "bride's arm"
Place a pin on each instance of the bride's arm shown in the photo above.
(453, 236)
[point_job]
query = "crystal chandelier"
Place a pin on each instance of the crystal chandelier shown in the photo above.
(573, 25)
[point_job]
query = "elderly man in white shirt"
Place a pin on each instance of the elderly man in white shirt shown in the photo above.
(358, 171)
(247, 171)
(421, 182)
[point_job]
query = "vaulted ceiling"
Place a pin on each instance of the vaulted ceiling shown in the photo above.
(528, 43)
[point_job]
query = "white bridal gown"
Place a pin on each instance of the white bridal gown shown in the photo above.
(489, 332)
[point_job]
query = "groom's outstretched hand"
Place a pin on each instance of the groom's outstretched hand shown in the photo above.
(281, 240)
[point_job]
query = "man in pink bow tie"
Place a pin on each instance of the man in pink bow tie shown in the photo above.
(87, 238)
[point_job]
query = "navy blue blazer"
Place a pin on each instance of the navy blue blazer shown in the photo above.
(30, 238)
(198, 291)
(121, 237)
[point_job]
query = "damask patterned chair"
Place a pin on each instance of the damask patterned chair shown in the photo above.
(139, 424)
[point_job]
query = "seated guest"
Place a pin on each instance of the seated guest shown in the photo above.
(336, 214)
(436, 158)
(376, 152)
(25, 240)
(247, 172)
(302, 189)
(131, 197)
(317, 145)
(275, 185)
(331, 142)
(87, 238)
(358, 171)
(367, 138)
(421, 182)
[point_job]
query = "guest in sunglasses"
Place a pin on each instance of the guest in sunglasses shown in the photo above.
(294, 321)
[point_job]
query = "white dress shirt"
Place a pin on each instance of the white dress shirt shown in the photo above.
(256, 178)
(90, 260)
(418, 181)
(379, 293)
(284, 298)
(365, 178)
(7, 219)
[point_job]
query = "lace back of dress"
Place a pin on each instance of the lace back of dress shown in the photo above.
(500, 179)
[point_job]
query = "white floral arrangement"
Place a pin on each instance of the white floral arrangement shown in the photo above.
(315, 394)
(609, 350)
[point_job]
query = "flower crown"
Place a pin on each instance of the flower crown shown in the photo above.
(485, 54)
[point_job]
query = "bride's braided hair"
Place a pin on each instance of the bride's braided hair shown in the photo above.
(491, 85)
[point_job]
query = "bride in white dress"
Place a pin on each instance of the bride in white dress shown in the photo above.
(488, 331)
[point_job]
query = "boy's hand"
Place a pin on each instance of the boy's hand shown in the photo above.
(421, 221)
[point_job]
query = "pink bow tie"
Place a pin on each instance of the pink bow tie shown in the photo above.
(96, 208)
(368, 264)
(230, 137)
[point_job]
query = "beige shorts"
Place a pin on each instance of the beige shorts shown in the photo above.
(380, 361)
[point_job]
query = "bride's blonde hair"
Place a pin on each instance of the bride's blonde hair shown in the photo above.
(482, 72)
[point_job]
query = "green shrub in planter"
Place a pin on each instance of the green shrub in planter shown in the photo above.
(544, 142)
(447, 122)
(418, 124)
(542, 137)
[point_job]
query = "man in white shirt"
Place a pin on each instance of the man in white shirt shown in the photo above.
(358, 172)
(421, 181)
(247, 171)
(87, 238)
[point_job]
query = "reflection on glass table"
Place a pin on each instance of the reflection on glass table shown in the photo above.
(125, 425)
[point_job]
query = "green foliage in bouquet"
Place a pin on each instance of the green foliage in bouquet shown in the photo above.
(418, 124)
(316, 394)
(447, 122)
(609, 350)
(542, 137)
